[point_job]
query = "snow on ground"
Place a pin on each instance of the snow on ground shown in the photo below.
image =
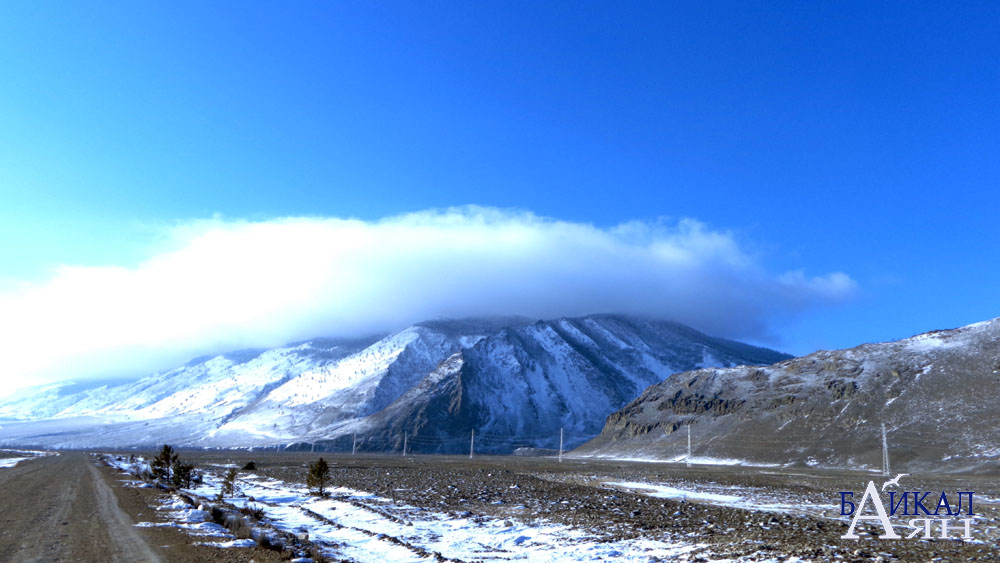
(230, 543)
(31, 454)
(361, 523)
(364, 527)
(747, 498)
(195, 521)
(662, 491)
(695, 460)
(12, 461)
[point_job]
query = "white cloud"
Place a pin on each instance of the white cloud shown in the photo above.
(223, 284)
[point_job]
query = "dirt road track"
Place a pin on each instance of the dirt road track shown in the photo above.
(59, 508)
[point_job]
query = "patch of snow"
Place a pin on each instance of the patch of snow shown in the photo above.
(749, 498)
(678, 459)
(353, 524)
(32, 454)
(981, 324)
(230, 543)
(12, 461)
(663, 491)
(929, 342)
(469, 341)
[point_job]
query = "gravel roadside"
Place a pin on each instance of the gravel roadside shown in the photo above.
(68, 508)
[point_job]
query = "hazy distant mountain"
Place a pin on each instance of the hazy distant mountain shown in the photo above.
(936, 393)
(514, 381)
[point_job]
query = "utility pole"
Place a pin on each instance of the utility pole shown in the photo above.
(885, 453)
(354, 448)
(405, 435)
(472, 443)
(689, 446)
(560, 444)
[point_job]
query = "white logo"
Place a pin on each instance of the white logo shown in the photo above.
(919, 526)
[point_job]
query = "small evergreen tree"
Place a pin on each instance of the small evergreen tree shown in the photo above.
(229, 484)
(163, 461)
(183, 474)
(319, 474)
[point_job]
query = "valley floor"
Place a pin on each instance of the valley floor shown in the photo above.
(394, 508)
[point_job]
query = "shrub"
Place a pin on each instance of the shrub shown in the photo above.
(265, 541)
(218, 516)
(250, 466)
(239, 527)
(316, 555)
(252, 511)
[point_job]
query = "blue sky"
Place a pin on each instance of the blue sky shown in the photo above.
(821, 138)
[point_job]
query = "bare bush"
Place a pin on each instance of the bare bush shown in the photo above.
(252, 511)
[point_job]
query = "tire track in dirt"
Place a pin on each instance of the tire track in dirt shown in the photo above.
(128, 545)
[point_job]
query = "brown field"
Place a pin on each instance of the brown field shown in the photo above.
(576, 492)
(72, 508)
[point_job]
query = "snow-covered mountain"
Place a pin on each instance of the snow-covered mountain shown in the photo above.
(936, 393)
(513, 381)
(521, 385)
(213, 385)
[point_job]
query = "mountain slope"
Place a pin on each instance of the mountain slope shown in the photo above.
(520, 386)
(355, 386)
(513, 381)
(935, 392)
(213, 385)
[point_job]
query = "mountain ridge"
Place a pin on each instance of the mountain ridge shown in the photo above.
(935, 392)
(510, 376)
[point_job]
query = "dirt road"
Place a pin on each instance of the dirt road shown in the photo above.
(59, 508)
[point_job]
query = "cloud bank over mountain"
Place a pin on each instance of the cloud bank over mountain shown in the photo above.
(222, 283)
